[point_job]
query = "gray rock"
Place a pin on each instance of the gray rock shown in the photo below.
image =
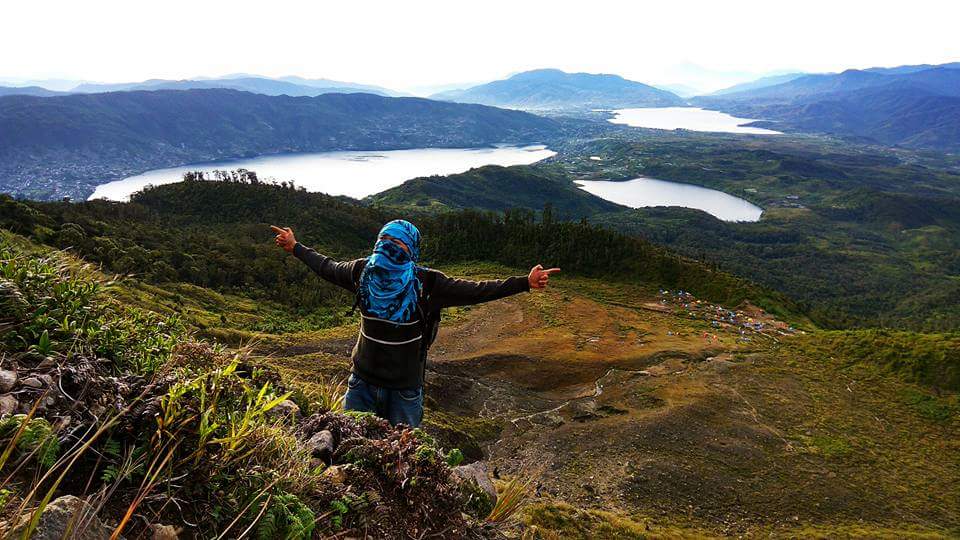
(285, 409)
(46, 363)
(32, 382)
(60, 519)
(477, 472)
(8, 379)
(8, 404)
(321, 445)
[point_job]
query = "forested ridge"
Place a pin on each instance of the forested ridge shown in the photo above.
(497, 188)
(215, 234)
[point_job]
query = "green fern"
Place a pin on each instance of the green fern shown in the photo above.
(340, 509)
(267, 526)
(287, 518)
(109, 474)
(111, 448)
(37, 436)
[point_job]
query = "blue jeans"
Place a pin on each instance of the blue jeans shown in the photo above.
(395, 406)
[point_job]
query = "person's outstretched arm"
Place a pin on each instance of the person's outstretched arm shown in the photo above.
(339, 273)
(448, 292)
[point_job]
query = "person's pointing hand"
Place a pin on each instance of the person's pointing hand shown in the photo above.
(284, 238)
(539, 278)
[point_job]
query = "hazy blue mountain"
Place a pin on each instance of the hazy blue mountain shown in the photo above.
(96, 88)
(941, 80)
(57, 85)
(257, 85)
(328, 83)
(899, 114)
(919, 110)
(27, 91)
(913, 106)
(682, 90)
(552, 89)
(899, 70)
(73, 142)
(803, 86)
(938, 79)
(431, 89)
(762, 82)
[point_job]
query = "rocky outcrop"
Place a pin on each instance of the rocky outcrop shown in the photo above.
(66, 517)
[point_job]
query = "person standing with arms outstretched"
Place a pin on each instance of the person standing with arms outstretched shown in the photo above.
(400, 305)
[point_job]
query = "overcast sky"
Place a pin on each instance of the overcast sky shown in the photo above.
(410, 44)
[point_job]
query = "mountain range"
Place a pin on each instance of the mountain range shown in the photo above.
(64, 145)
(911, 106)
(289, 85)
(762, 82)
(552, 89)
(28, 91)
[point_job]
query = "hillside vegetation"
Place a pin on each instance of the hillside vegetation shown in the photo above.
(858, 236)
(215, 234)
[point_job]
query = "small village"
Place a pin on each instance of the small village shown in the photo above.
(747, 320)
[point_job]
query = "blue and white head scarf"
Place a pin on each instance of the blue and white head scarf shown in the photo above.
(389, 287)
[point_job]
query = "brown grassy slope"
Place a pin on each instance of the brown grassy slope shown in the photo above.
(625, 407)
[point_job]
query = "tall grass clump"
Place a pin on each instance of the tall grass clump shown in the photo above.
(511, 497)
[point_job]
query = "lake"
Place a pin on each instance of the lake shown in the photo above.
(355, 174)
(646, 192)
(692, 118)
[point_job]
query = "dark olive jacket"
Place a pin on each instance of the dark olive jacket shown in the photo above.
(439, 291)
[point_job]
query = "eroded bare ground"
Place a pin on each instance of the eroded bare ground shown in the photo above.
(638, 411)
(645, 412)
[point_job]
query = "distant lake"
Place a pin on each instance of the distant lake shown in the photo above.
(355, 174)
(691, 118)
(645, 192)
